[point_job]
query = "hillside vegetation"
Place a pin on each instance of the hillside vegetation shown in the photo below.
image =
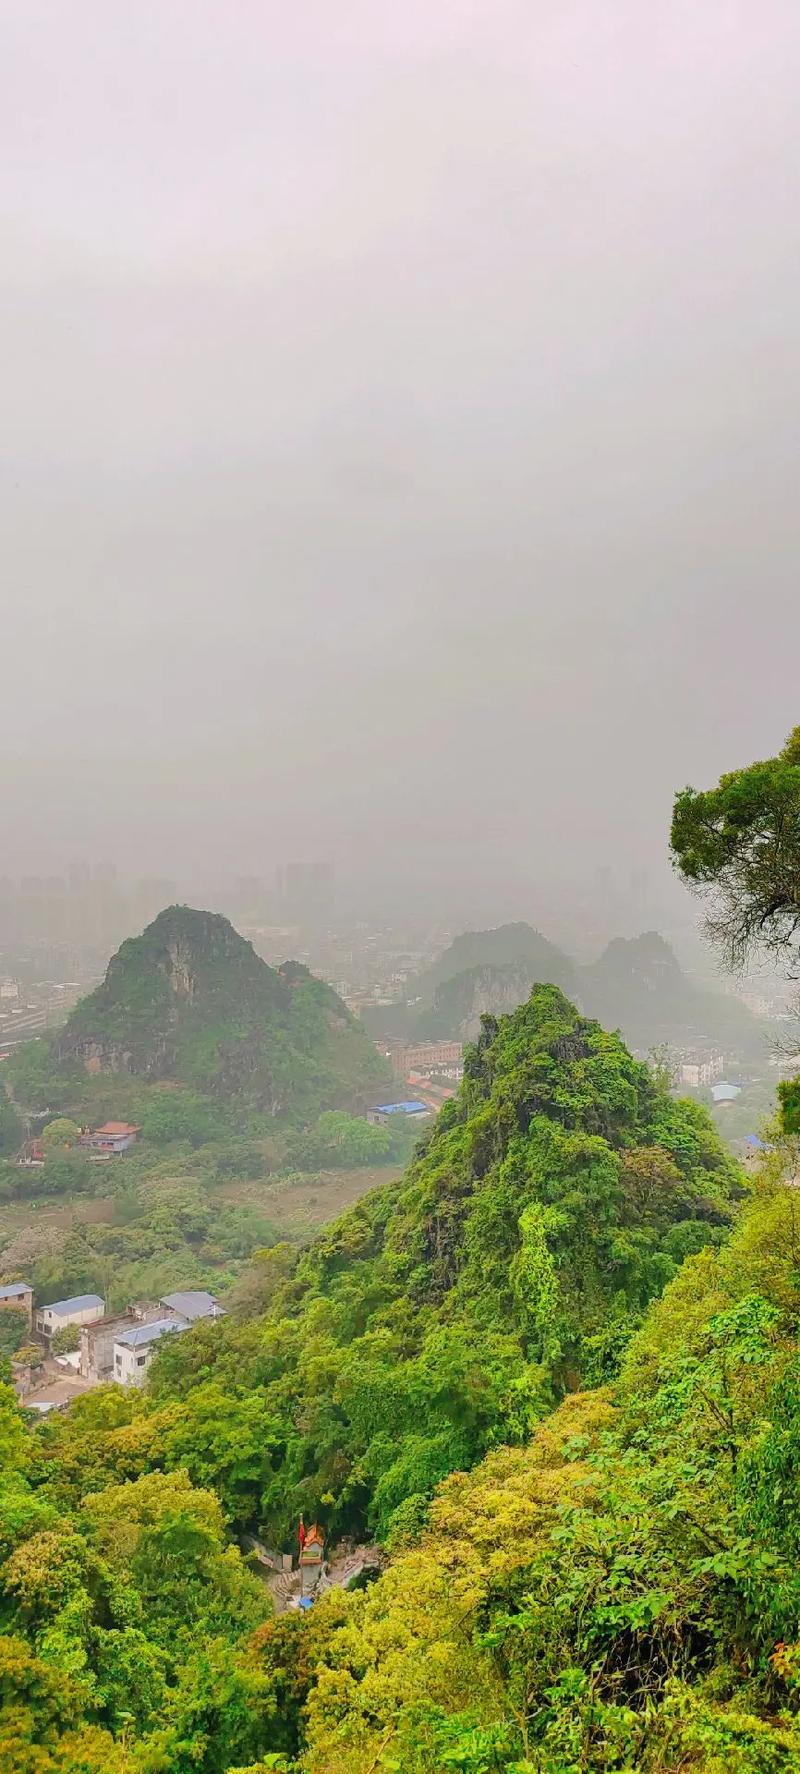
(190, 1003)
(576, 1582)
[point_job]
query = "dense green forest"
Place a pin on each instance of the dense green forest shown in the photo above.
(190, 1003)
(553, 1370)
(441, 1318)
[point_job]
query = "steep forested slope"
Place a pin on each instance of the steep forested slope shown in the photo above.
(442, 1317)
(556, 1195)
(623, 1592)
(190, 1002)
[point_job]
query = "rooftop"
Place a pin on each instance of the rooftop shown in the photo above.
(195, 1303)
(116, 1129)
(11, 1290)
(77, 1304)
(411, 1108)
(142, 1334)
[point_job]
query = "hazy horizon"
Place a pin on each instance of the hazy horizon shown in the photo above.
(400, 434)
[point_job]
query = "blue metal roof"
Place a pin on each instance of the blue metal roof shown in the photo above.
(401, 1109)
(11, 1290)
(142, 1334)
(77, 1304)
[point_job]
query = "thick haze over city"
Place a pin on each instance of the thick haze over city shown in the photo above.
(400, 432)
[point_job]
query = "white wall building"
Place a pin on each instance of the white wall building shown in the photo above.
(134, 1349)
(81, 1309)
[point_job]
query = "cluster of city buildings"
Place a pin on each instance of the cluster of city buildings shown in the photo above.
(112, 1346)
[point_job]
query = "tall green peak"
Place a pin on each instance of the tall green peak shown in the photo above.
(190, 1002)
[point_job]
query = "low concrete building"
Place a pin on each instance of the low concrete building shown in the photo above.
(426, 1057)
(17, 1296)
(81, 1309)
(698, 1071)
(134, 1349)
(384, 1113)
(98, 1339)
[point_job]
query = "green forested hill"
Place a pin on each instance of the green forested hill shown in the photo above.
(556, 1195)
(620, 1594)
(508, 945)
(534, 1610)
(190, 1002)
(638, 985)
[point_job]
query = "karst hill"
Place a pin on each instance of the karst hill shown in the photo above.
(190, 1002)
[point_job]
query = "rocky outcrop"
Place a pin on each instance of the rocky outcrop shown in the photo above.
(189, 1001)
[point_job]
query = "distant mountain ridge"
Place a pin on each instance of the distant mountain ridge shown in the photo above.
(190, 1002)
(637, 985)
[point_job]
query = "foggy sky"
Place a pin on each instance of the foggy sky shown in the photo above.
(400, 428)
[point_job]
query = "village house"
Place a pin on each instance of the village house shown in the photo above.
(99, 1339)
(18, 1296)
(81, 1309)
(134, 1349)
(110, 1140)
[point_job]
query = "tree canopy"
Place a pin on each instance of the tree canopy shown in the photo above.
(741, 841)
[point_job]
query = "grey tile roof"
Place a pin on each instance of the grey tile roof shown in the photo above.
(11, 1290)
(142, 1334)
(77, 1304)
(193, 1304)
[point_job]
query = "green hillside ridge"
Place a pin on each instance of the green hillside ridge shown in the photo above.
(620, 1594)
(505, 945)
(190, 1002)
(556, 1195)
(442, 1317)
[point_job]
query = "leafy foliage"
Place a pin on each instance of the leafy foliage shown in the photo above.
(622, 1592)
(580, 1579)
(742, 839)
(11, 1126)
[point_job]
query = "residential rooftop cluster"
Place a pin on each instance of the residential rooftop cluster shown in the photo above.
(112, 1346)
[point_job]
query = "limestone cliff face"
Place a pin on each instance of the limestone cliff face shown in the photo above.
(461, 1002)
(190, 1001)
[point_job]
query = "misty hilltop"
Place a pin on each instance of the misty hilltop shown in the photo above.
(636, 985)
(190, 1002)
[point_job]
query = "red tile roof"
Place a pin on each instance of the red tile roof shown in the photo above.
(116, 1129)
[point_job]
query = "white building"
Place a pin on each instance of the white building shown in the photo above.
(82, 1309)
(134, 1349)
